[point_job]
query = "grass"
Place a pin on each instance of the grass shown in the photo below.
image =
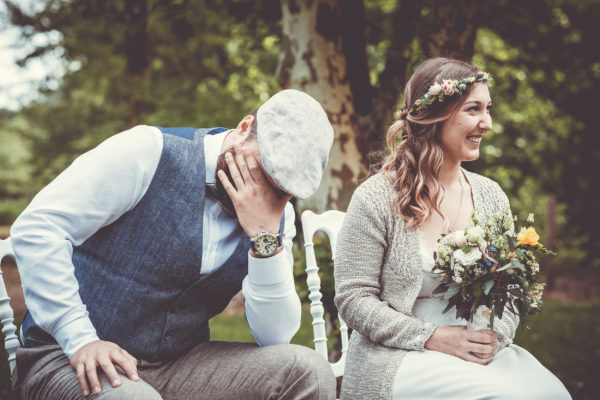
(564, 337)
(11, 208)
(233, 328)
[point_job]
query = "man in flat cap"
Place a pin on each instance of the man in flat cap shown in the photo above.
(129, 252)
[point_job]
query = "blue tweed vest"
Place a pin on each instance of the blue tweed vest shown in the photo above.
(140, 276)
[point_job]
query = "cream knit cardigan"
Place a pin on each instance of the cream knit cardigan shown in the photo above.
(378, 275)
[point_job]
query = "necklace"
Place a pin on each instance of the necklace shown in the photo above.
(458, 212)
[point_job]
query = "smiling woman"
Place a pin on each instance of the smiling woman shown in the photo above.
(404, 346)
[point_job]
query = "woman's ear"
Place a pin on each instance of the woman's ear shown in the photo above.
(245, 124)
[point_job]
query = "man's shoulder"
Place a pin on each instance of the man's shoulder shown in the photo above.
(189, 132)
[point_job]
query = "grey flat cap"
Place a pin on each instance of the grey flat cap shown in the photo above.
(294, 138)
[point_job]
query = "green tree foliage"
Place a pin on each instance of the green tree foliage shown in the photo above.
(547, 66)
(205, 63)
(168, 63)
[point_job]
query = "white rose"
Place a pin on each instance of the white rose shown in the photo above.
(467, 259)
(454, 239)
(475, 234)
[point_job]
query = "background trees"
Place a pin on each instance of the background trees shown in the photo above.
(208, 62)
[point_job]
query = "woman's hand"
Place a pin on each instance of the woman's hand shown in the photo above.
(475, 346)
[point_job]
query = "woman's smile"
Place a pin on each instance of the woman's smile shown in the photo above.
(475, 139)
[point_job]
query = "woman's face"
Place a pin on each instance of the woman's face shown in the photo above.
(461, 135)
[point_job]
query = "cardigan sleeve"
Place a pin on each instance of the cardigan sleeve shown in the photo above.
(362, 243)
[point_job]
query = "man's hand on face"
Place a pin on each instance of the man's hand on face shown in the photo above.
(105, 355)
(257, 203)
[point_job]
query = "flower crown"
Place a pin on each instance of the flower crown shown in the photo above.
(447, 88)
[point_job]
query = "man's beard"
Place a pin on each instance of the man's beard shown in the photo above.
(221, 193)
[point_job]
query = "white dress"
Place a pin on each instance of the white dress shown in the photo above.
(513, 373)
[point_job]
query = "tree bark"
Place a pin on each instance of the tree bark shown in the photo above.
(137, 55)
(312, 60)
(453, 29)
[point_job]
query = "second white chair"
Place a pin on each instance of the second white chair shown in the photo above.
(329, 222)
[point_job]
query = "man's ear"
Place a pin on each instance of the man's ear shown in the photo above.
(245, 124)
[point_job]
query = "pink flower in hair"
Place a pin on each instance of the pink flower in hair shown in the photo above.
(449, 87)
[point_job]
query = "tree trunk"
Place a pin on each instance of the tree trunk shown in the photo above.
(385, 101)
(312, 60)
(453, 29)
(136, 52)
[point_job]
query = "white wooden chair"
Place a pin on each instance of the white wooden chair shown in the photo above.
(11, 342)
(329, 222)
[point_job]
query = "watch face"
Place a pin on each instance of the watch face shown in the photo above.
(266, 244)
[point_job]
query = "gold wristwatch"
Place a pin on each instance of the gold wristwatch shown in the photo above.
(265, 244)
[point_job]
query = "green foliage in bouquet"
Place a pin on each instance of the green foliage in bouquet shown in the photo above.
(490, 266)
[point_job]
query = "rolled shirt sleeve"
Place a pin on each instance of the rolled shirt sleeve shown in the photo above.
(94, 191)
(272, 304)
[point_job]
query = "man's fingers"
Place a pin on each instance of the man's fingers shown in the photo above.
(128, 365)
(255, 170)
(133, 361)
(233, 170)
(92, 375)
(227, 184)
(109, 369)
(241, 161)
(82, 379)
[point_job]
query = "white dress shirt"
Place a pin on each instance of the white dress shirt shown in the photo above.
(99, 187)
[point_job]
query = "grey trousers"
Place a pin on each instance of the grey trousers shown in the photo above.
(212, 370)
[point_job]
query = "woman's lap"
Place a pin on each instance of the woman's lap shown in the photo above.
(513, 374)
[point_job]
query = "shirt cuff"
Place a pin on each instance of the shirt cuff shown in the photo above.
(76, 334)
(270, 270)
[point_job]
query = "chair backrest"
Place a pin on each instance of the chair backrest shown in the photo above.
(329, 222)
(11, 342)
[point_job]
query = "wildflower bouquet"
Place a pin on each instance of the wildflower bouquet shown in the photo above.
(486, 269)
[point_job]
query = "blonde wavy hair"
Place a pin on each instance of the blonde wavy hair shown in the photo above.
(414, 164)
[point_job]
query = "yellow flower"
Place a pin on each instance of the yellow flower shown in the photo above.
(528, 236)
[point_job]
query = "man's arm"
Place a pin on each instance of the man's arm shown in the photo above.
(272, 304)
(273, 307)
(99, 187)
